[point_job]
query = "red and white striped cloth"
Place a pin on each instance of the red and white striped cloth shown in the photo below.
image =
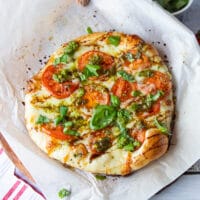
(11, 187)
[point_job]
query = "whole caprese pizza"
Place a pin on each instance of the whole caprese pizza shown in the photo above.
(103, 103)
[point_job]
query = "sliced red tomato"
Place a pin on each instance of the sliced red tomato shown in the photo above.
(57, 132)
(123, 89)
(94, 96)
(58, 90)
(161, 82)
(106, 62)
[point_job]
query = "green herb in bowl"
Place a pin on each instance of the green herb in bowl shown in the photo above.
(173, 5)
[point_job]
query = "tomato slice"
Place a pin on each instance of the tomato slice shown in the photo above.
(94, 96)
(58, 90)
(161, 82)
(106, 62)
(123, 89)
(57, 132)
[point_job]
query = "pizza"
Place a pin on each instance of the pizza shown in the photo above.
(103, 103)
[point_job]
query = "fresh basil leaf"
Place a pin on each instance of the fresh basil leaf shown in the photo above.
(58, 120)
(160, 126)
(42, 120)
(89, 30)
(100, 177)
(114, 40)
(89, 70)
(93, 69)
(63, 110)
(126, 76)
(57, 61)
(63, 193)
(68, 124)
(115, 101)
(103, 116)
(71, 47)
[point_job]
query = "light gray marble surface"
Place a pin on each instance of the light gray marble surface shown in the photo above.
(187, 187)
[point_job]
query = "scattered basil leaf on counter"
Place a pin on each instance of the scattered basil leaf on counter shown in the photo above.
(115, 101)
(63, 193)
(114, 40)
(42, 120)
(126, 76)
(89, 30)
(100, 177)
(102, 116)
(160, 126)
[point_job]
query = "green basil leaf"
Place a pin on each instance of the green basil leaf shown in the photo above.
(126, 76)
(100, 177)
(89, 30)
(103, 116)
(42, 120)
(58, 120)
(63, 110)
(68, 124)
(160, 126)
(89, 70)
(71, 47)
(63, 193)
(57, 61)
(93, 69)
(114, 40)
(115, 101)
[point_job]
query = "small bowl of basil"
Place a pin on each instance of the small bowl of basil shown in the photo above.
(175, 7)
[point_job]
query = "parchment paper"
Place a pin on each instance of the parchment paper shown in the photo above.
(32, 30)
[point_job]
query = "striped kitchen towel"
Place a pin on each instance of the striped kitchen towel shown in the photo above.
(11, 187)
